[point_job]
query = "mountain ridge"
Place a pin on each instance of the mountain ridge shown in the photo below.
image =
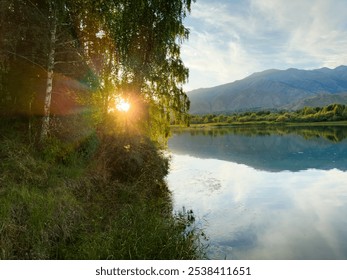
(288, 89)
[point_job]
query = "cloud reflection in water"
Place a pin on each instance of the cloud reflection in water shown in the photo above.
(255, 214)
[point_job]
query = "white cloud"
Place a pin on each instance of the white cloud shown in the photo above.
(275, 208)
(316, 29)
(223, 45)
(232, 39)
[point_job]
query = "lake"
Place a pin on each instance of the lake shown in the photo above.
(264, 193)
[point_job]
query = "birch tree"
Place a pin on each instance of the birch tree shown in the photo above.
(129, 47)
(62, 49)
(147, 35)
(52, 20)
(34, 34)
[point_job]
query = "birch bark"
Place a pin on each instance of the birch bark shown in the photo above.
(50, 72)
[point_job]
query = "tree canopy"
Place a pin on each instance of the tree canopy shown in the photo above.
(53, 52)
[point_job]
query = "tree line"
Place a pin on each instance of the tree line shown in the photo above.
(333, 112)
(54, 53)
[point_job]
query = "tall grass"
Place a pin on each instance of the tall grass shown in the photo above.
(101, 197)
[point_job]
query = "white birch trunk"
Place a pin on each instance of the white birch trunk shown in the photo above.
(49, 85)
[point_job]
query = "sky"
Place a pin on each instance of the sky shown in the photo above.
(231, 39)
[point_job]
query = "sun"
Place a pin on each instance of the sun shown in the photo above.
(122, 105)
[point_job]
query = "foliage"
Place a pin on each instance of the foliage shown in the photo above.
(98, 51)
(127, 158)
(333, 112)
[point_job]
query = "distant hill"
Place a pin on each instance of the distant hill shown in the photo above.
(289, 89)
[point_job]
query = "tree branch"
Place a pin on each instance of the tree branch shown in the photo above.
(27, 59)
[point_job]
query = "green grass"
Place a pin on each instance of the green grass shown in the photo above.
(103, 197)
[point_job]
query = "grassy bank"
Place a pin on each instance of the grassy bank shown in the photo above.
(99, 197)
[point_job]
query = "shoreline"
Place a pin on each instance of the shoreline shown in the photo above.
(260, 124)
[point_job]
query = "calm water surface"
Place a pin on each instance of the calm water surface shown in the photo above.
(265, 193)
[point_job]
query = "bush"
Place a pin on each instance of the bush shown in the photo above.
(127, 159)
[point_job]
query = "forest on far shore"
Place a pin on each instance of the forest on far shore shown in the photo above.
(333, 112)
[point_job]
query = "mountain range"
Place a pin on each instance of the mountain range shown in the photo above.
(272, 89)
